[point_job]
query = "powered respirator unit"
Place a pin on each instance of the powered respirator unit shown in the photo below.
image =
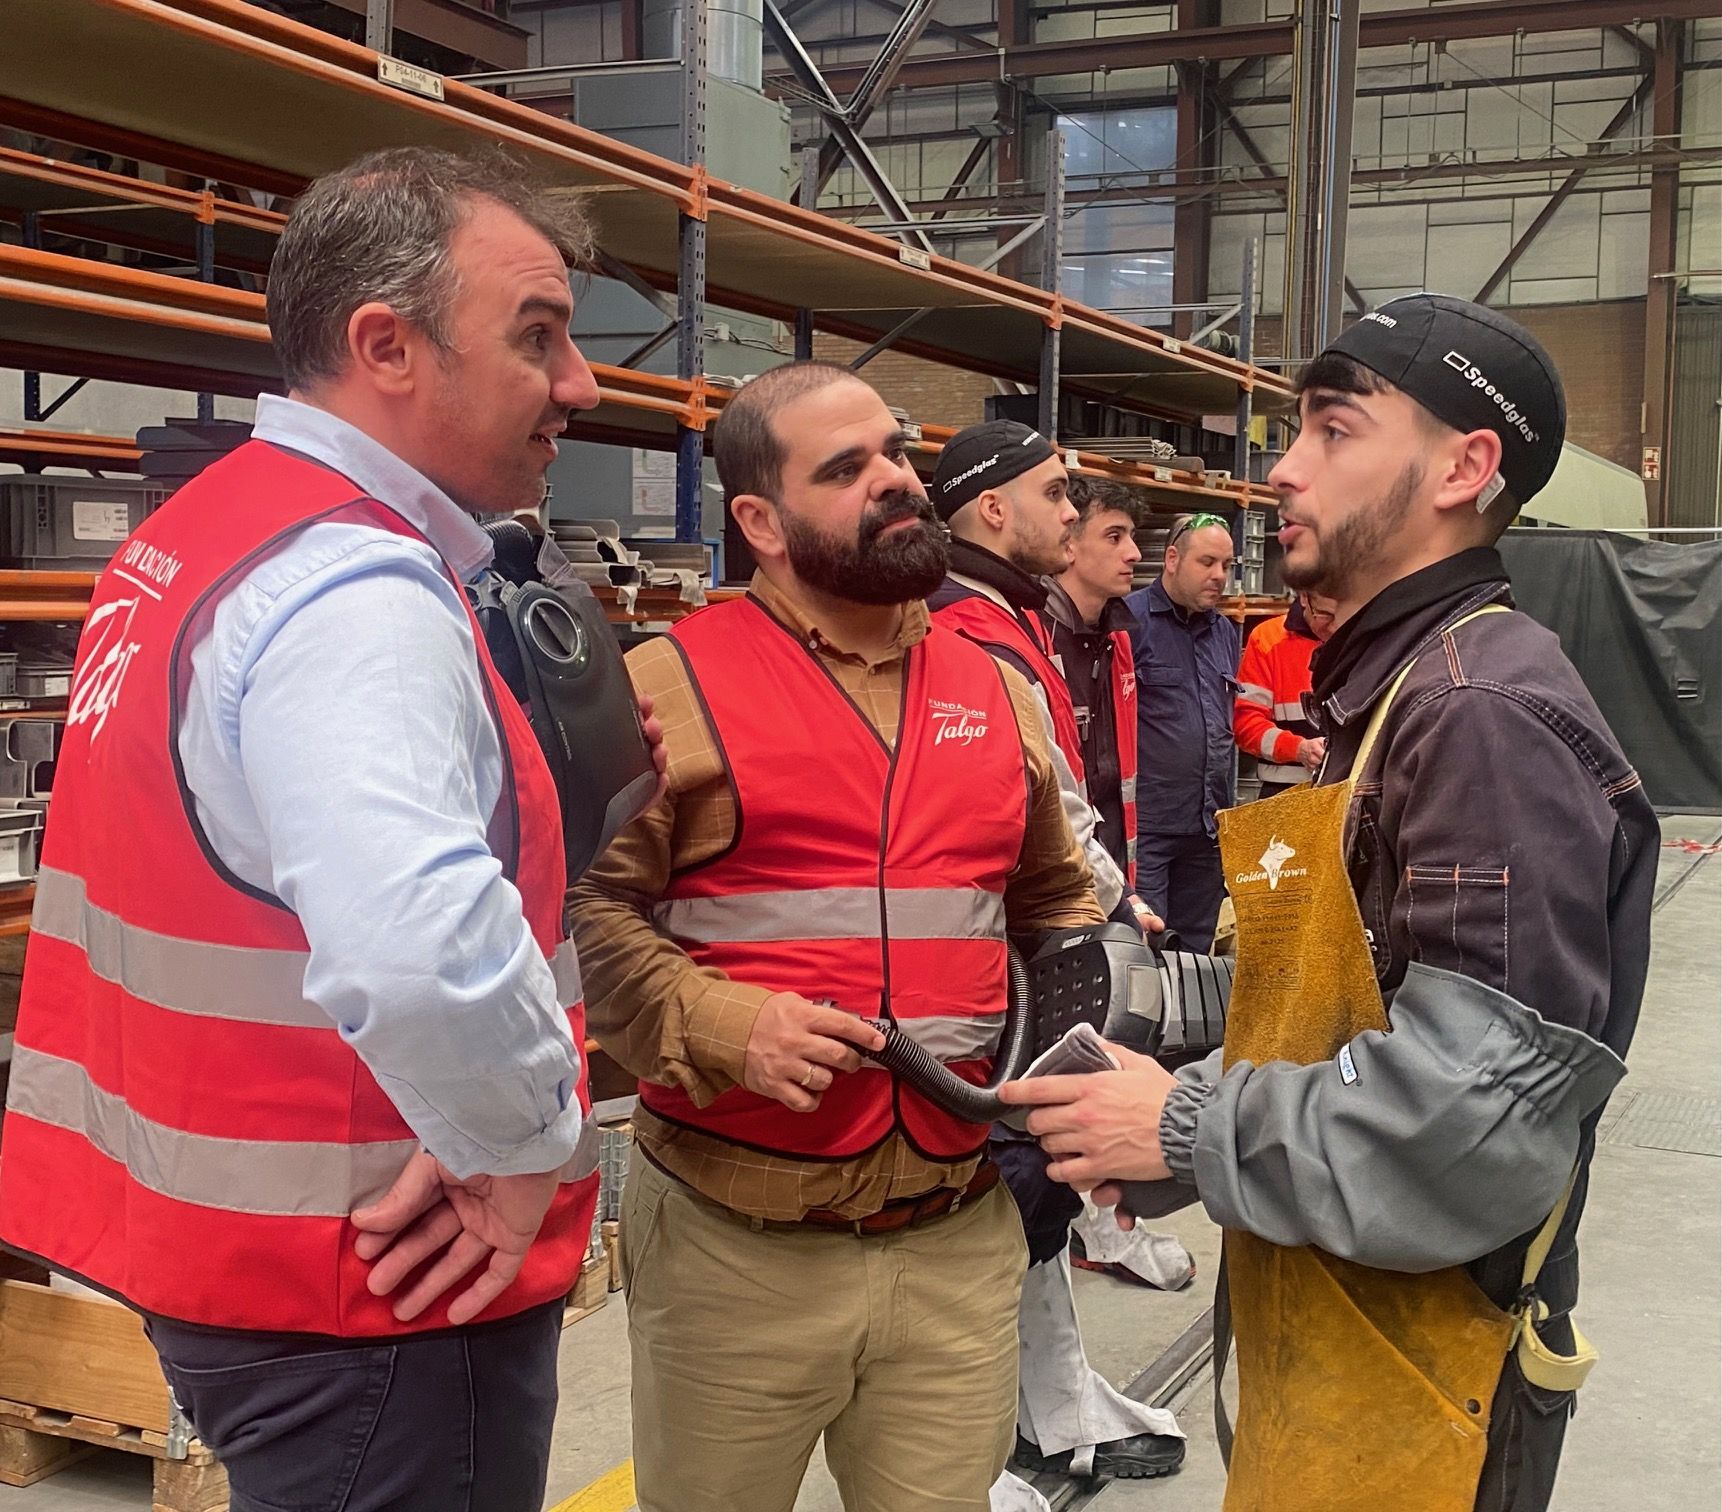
(549, 638)
(1077, 989)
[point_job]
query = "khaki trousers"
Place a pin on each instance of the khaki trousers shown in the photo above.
(748, 1344)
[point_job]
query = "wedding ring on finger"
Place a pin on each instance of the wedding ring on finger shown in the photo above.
(807, 1080)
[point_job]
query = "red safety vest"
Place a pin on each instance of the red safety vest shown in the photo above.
(978, 618)
(185, 1130)
(870, 876)
(1124, 729)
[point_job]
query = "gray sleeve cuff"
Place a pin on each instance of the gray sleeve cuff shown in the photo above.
(1427, 1146)
(1184, 1104)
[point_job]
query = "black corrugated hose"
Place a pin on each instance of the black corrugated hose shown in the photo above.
(941, 1086)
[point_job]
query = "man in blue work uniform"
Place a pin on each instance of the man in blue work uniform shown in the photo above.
(1186, 681)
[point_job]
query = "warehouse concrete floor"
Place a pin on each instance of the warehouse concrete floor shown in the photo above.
(1646, 1432)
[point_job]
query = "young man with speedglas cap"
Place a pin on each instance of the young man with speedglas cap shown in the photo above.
(1443, 943)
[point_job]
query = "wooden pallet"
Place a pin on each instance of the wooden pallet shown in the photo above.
(591, 1291)
(35, 1442)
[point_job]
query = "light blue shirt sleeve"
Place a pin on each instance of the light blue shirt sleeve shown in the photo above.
(342, 756)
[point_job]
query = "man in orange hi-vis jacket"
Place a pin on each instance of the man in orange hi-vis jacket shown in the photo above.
(1269, 721)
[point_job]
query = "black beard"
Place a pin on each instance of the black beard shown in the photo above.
(1357, 543)
(907, 565)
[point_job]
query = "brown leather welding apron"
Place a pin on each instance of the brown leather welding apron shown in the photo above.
(1359, 1390)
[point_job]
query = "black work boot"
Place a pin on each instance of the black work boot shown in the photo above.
(1145, 1456)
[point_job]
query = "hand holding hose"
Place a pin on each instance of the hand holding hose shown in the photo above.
(797, 1048)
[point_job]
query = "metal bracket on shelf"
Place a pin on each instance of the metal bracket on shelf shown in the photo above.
(651, 344)
(34, 409)
(622, 273)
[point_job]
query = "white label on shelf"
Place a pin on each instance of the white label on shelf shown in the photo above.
(1173, 346)
(653, 464)
(1071, 460)
(655, 496)
(911, 431)
(56, 687)
(100, 521)
(419, 81)
(915, 257)
(1163, 475)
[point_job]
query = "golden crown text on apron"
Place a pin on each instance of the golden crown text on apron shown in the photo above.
(1359, 1390)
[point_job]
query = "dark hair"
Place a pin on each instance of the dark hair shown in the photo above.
(1093, 496)
(748, 452)
(1340, 374)
(379, 231)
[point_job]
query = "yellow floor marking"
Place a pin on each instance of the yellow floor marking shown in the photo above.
(611, 1492)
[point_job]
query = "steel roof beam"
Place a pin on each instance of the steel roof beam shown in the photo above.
(1482, 18)
(837, 122)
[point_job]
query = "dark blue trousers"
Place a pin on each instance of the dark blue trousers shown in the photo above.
(1179, 877)
(458, 1421)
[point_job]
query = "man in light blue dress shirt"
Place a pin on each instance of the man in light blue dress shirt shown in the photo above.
(338, 745)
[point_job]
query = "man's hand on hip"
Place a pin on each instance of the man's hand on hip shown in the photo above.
(1104, 1126)
(797, 1048)
(484, 1220)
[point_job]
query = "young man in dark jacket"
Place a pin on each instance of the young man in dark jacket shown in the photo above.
(1473, 869)
(1091, 639)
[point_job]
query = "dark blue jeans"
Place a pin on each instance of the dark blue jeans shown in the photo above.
(1180, 878)
(458, 1421)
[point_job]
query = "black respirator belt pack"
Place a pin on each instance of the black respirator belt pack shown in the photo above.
(552, 644)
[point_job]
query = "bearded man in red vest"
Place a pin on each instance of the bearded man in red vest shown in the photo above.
(861, 806)
(298, 1069)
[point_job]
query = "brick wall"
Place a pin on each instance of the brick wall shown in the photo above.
(1598, 349)
(932, 393)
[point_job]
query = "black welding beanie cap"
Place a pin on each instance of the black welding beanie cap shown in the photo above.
(1473, 369)
(983, 457)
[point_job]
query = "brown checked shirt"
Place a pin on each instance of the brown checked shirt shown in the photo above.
(664, 1019)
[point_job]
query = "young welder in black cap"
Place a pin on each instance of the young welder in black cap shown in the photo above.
(1472, 869)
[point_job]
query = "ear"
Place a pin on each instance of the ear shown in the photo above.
(382, 347)
(761, 526)
(993, 508)
(1466, 462)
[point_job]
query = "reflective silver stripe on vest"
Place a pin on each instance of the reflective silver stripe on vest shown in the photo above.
(1255, 693)
(1286, 711)
(955, 1039)
(279, 1178)
(1267, 772)
(1130, 848)
(1127, 789)
(565, 967)
(188, 976)
(1265, 746)
(834, 913)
